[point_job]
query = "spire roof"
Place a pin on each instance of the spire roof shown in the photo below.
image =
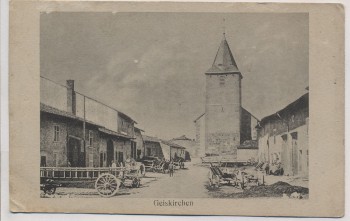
(224, 61)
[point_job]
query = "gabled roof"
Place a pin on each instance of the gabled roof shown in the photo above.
(114, 133)
(157, 140)
(199, 117)
(171, 144)
(183, 137)
(54, 111)
(301, 102)
(224, 61)
(150, 139)
(250, 113)
(51, 110)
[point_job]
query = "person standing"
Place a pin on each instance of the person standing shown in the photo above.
(171, 169)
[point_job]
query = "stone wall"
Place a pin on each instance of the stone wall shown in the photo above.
(223, 113)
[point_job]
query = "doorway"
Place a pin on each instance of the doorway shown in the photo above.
(295, 154)
(76, 154)
(110, 152)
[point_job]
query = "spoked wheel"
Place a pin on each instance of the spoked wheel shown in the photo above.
(50, 190)
(107, 185)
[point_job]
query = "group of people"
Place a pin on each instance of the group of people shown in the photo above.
(275, 168)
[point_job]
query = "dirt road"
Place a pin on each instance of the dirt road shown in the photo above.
(186, 183)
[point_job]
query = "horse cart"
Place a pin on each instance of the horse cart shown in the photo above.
(237, 178)
(105, 180)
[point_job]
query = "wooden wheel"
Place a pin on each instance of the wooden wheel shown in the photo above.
(107, 185)
(50, 190)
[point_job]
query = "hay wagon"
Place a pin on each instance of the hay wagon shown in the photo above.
(107, 180)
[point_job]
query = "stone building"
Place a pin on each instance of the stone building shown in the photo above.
(283, 138)
(79, 131)
(227, 124)
(155, 147)
(138, 149)
(187, 143)
(199, 123)
(152, 147)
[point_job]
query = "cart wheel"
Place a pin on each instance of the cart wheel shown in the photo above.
(50, 190)
(107, 185)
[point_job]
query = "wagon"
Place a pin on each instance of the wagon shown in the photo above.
(218, 178)
(106, 180)
(237, 178)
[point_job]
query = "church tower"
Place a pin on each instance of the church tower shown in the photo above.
(223, 103)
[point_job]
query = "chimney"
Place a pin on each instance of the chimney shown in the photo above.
(71, 100)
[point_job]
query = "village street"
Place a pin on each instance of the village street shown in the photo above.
(191, 182)
(186, 183)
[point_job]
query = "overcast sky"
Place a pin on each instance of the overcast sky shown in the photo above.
(151, 65)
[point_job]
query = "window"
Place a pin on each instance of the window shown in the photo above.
(43, 161)
(91, 137)
(56, 133)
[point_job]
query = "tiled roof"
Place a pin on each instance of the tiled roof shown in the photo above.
(150, 139)
(171, 144)
(183, 137)
(51, 110)
(114, 133)
(48, 109)
(224, 61)
(301, 102)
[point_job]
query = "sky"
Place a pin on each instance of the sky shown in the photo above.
(151, 65)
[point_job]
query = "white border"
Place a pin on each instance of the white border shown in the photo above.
(6, 215)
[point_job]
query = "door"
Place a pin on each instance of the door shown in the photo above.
(285, 157)
(101, 159)
(43, 161)
(133, 150)
(76, 154)
(120, 157)
(295, 154)
(110, 152)
(138, 154)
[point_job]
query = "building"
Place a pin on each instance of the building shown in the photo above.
(283, 138)
(199, 123)
(227, 124)
(152, 147)
(155, 147)
(248, 151)
(186, 142)
(79, 131)
(138, 150)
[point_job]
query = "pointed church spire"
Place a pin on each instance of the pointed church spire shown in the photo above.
(224, 61)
